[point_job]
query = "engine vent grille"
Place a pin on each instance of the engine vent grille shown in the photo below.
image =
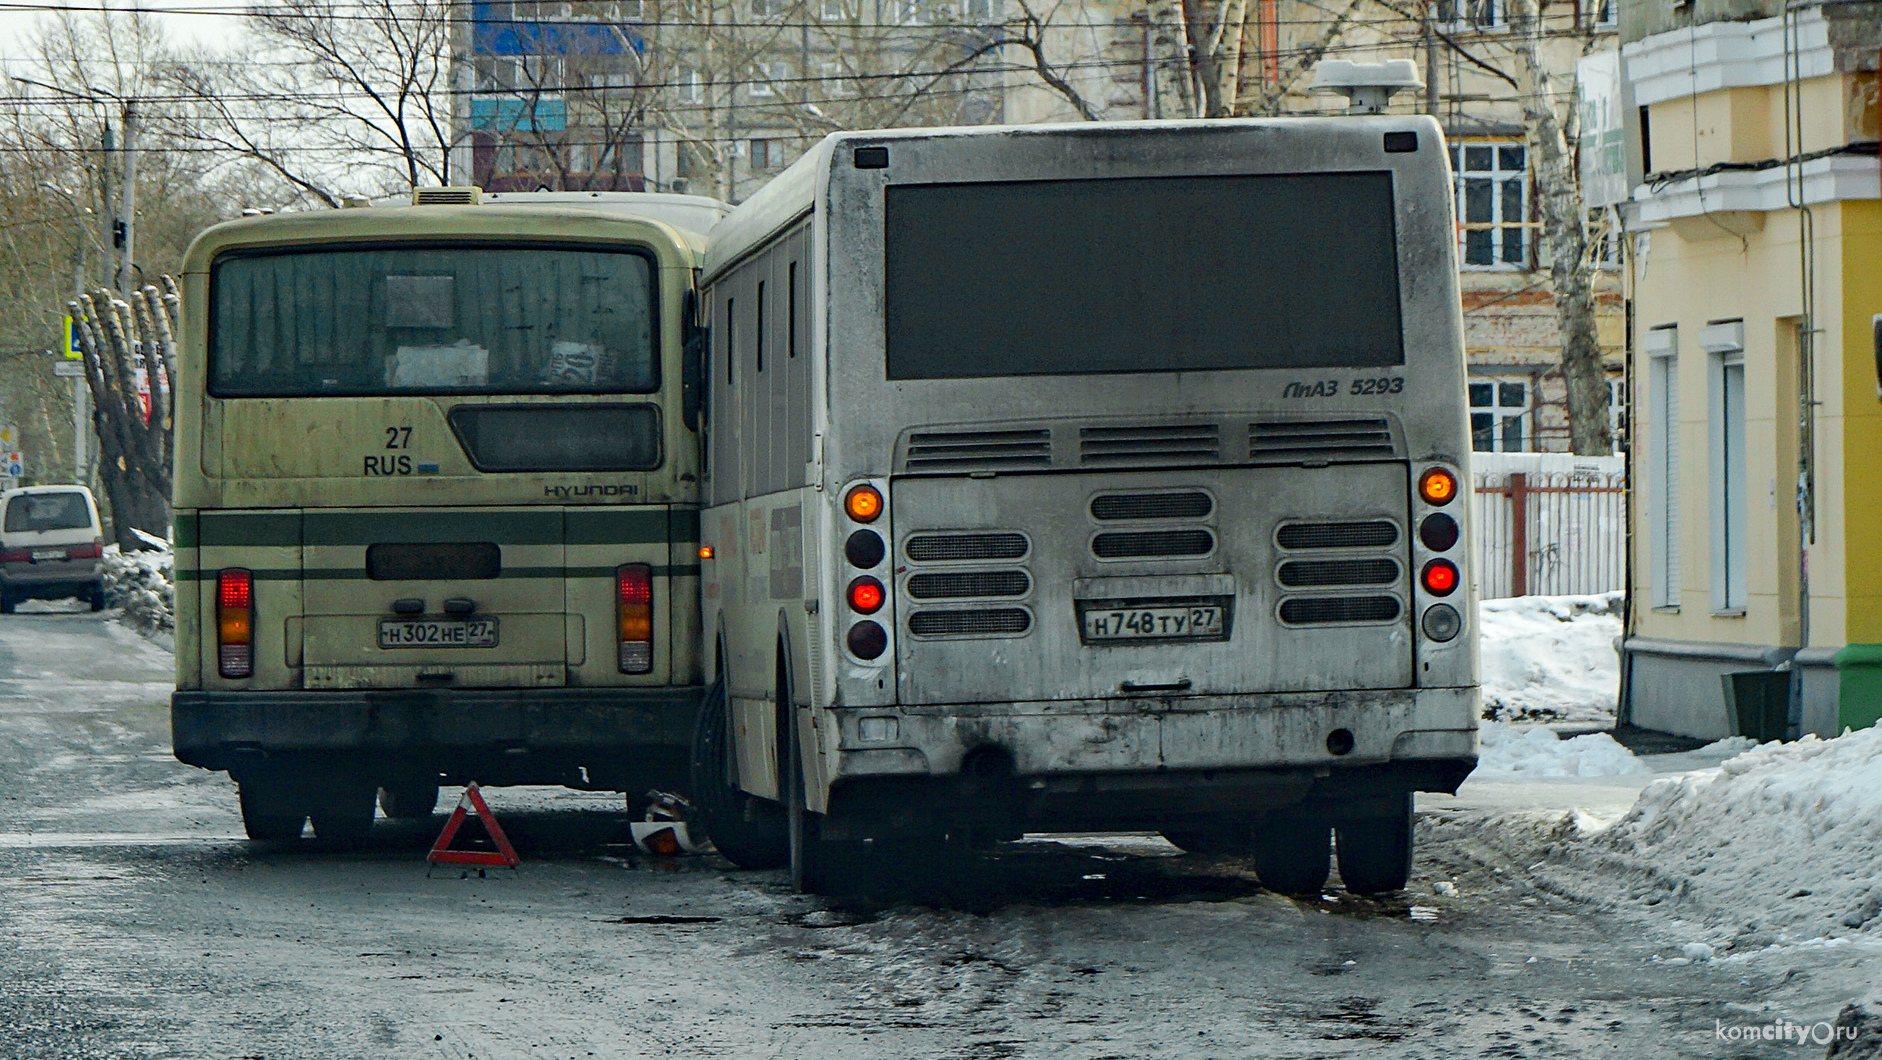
(1191, 504)
(942, 548)
(1301, 573)
(1186, 443)
(1146, 544)
(1315, 441)
(964, 584)
(978, 450)
(1311, 610)
(1002, 620)
(1373, 533)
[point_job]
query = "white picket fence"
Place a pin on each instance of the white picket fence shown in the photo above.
(1549, 524)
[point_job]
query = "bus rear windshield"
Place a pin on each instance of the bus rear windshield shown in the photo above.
(440, 319)
(1161, 274)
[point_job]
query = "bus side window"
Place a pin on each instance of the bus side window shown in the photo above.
(695, 342)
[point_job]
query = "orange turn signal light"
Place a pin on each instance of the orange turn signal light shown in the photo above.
(1437, 486)
(705, 552)
(863, 503)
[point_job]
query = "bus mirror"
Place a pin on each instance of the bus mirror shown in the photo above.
(692, 364)
(1875, 330)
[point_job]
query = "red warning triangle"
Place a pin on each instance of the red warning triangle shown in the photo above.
(473, 802)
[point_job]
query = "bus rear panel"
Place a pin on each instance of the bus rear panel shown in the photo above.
(436, 516)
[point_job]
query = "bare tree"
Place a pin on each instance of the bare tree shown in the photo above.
(1565, 227)
(130, 360)
(329, 93)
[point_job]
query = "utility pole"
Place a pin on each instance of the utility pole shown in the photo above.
(1431, 58)
(81, 393)
(124, 229)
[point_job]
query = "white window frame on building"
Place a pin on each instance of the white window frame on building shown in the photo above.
(766, 152)
(980, 12)
(768, 8)
(1661, 345)
(833, 10)
(690, 87)
(764, 77)
(1501, 408)
(1472, 16)
(1493, 205)
(1724, 343)
(834, 80)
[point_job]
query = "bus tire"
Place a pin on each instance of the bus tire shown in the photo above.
(1292, 853)
(343, 813)
(749, 831)
(1375, 853)
(409, 800)
(271, 810)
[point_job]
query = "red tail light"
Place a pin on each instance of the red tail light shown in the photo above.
(93, 551)
(634, 615)
(16, 555)
(1440, 577)
(866, 595)
(235, 622)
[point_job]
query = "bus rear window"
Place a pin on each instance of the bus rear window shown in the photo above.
(1162, 274)
(432, 319)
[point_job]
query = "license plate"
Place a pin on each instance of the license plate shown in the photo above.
(438, 633)
(1179, 622)
(48, 553)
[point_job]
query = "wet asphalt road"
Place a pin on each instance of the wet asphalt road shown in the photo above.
(136, 922)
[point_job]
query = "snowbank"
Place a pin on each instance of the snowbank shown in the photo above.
(142, 584)
(1550, 658)
(1779, 845)
(1509, 753)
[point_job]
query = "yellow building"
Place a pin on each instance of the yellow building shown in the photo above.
(1756, 266)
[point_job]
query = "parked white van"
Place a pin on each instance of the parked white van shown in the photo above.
(51, 546)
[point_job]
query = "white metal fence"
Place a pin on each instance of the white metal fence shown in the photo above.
(1549, 524)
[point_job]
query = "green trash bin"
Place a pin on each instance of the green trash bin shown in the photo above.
(1759, 704)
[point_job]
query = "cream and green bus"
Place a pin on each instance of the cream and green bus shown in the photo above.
(437, 502)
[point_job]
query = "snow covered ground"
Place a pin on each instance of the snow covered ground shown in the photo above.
(1550, 658)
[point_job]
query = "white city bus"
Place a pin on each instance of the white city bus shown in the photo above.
(1089, 477)
(437, 502)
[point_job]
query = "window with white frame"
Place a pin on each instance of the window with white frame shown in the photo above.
(980, 12)
(1472, 15)
(1606, 14)
(1492, 203)
(908, 11)
(833, 10)
(690, 86)
(767, 154)
(1499, 413)
(834, 81)
(1662, 463)
(767, 78)
(768, 8)
(1724, 343)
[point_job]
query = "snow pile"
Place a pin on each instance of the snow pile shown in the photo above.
(1509, 753)
(142, 584)
(1550, 658)
(1779, 845)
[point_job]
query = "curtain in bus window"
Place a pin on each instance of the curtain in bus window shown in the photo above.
(1160, 274)
(454, 319)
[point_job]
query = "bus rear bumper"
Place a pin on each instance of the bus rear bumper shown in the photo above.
(1133, 764)
(496, 736)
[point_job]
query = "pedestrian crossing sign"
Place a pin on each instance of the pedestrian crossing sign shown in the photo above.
(74, 343)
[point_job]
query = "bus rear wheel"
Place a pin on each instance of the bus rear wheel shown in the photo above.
(1375, 852)
(1292, 854)
(272, 809)
(343, 812)
(409, 800)
(749, 831)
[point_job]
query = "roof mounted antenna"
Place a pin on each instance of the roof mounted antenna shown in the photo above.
(1366, 86)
